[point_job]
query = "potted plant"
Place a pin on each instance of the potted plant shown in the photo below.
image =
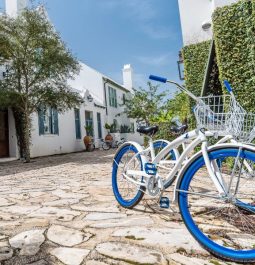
(88, 139)
(108, 137)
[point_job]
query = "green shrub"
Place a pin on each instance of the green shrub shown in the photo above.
(234, 34)
(195, 61)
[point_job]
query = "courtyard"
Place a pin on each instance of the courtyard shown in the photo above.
(61, 210)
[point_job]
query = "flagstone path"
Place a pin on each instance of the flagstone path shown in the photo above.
(61, 210)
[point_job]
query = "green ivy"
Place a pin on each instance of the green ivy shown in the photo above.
(195, 60)
(234, 34)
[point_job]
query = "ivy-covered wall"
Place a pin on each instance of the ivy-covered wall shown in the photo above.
(195, 61)
(234, 34)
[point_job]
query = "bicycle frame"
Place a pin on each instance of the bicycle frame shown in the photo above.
(225, 139)
(199, 137)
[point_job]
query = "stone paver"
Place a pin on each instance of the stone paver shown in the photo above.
(61, 210)
(178, 258)
(5, 253)
(95, 262)
(70, 256)
(28, 242)
(65, 236)
(168, 238)
(131, 254)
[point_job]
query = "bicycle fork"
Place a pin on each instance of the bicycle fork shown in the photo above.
(213, 171)
(215, 174)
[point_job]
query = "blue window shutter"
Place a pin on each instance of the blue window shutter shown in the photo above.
(55, 121)
(51, 121)
(115, 98)
(40, 121)
(110, 97)
(77, 123)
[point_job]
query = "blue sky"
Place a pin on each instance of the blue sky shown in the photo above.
(106, 34)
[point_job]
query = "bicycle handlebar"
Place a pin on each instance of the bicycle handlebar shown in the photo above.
(228, 86)
(158, 78)
(182, 88)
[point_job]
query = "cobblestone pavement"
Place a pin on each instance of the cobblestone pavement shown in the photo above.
(61, 210)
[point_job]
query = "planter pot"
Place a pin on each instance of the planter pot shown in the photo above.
(87, 142)
(108, 138)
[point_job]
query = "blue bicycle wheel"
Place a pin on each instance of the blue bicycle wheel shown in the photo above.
(125, 191)
(164, 171)
(225, 226)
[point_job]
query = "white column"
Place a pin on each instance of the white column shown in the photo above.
(14, 7)
(128, 76)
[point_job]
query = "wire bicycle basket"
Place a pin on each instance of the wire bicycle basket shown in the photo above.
(224, 115)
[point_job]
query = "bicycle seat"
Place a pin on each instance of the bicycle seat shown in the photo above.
(179, 129)
(148, 130)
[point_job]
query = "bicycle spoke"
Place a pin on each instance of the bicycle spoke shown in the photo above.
(229, 221)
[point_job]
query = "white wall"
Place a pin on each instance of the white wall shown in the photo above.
(113, 113)
(55, 144)
(89, 79)
(2, 70)
(13, 146)
(193, 14)
(220, 3)
(14, 7)
(66, 141)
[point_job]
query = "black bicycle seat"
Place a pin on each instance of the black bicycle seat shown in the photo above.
(179, 129)
(148, 130)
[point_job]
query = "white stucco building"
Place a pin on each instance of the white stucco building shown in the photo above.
(196, 18)
(55, 133)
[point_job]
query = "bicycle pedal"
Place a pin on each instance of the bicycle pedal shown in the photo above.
(150, 169)
(164, 203)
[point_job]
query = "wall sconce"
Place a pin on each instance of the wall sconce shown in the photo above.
(180, 66)
(89, 98)
(206, 25)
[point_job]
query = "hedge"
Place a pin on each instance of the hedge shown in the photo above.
(195, 61)
(234, 34)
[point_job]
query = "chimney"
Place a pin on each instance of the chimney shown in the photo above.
(14, 7)
(128, 77)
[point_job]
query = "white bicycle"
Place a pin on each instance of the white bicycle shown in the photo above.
(214, 192)
(221, 115)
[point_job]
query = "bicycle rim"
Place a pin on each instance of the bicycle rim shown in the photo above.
(225, 227)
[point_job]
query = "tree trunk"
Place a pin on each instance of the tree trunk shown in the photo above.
(23, 125)
(27, 125)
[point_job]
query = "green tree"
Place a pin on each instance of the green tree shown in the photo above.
(39, 65)
(145, 105)
(179, 106)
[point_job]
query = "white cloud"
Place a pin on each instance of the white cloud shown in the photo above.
(157, 32)
(143, 13)
(140, 80)
(160, 60)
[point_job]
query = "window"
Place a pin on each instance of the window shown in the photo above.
(112, 97)
(124, 98)
(115, 126)
(99, 125)
(77, 123)
(48, 121)
(89, 123)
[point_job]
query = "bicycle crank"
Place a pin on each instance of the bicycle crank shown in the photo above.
(154, 186)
